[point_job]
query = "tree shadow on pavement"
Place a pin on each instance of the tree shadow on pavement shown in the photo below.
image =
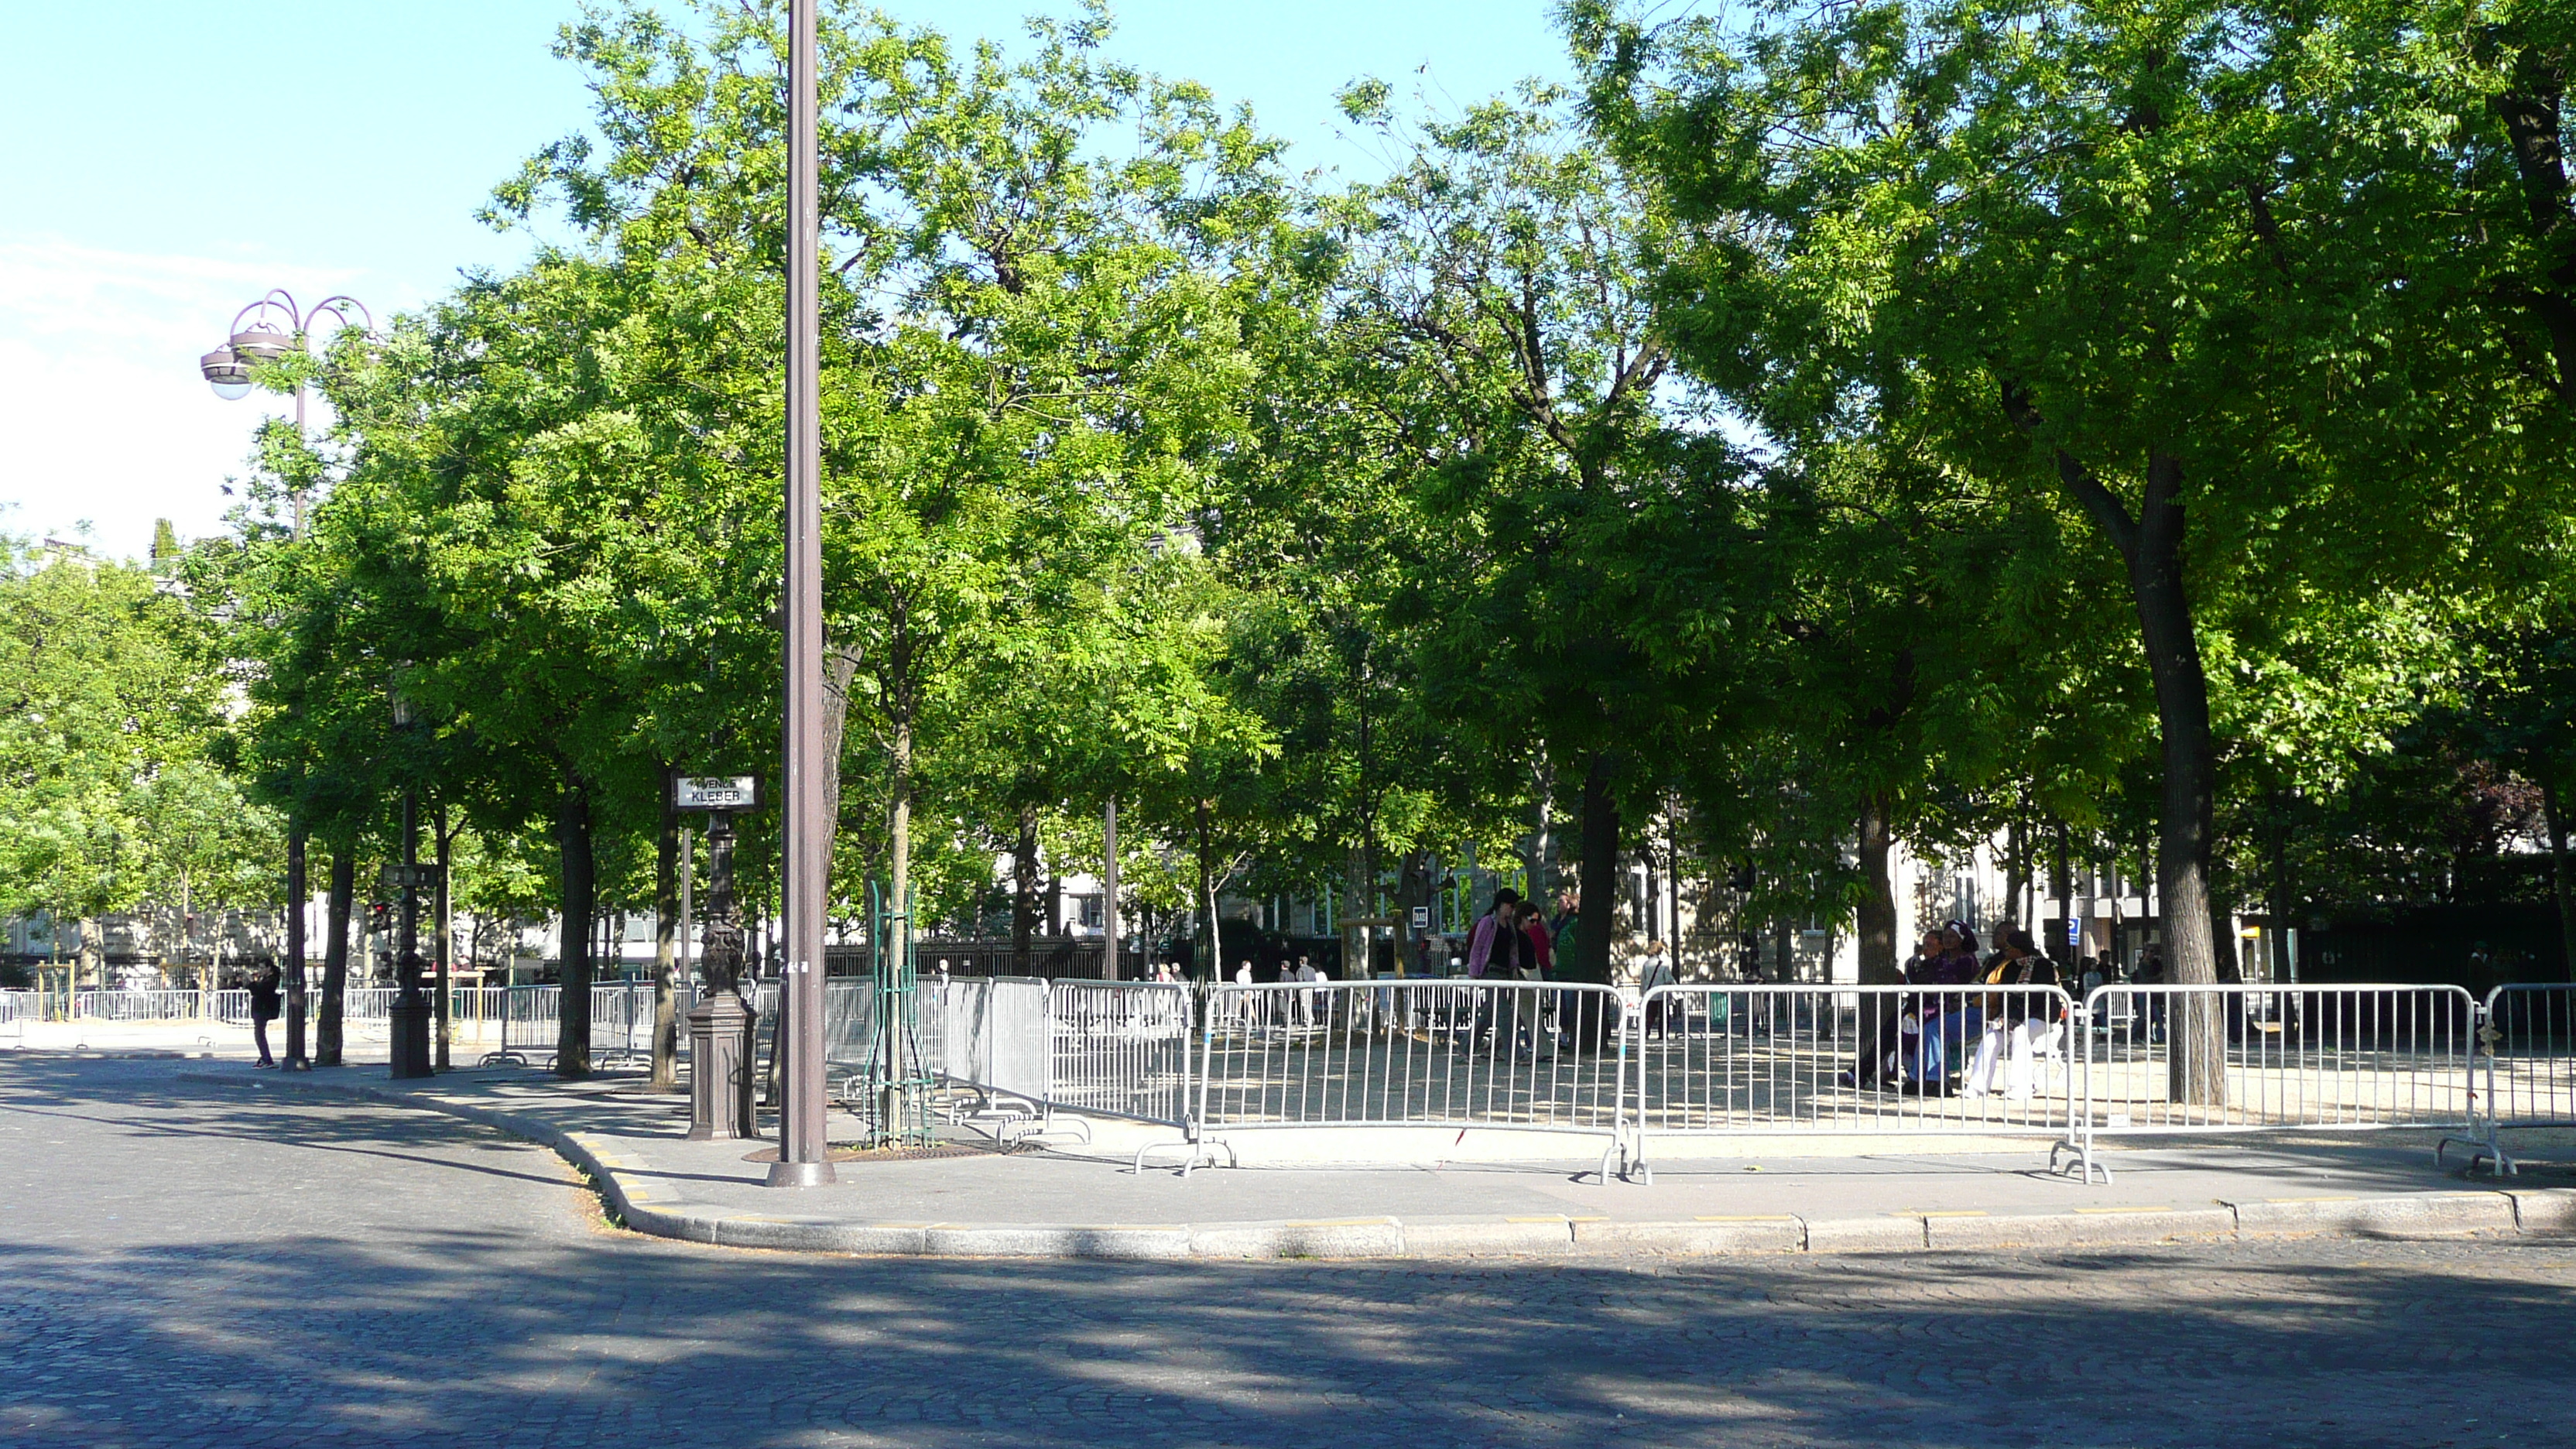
(477, 1324)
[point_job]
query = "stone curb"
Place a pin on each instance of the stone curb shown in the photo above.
(2549, 1211)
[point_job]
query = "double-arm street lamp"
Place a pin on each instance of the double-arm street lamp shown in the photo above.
(804, 1159)
(254, 341)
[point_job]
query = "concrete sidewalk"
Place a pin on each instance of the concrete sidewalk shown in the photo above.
(1048, 1201)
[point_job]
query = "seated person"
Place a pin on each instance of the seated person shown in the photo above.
(2016, 1022)
(1950, 1018)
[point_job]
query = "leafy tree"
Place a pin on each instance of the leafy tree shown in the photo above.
(112, 701)
(2186, 271)
(1589, 582)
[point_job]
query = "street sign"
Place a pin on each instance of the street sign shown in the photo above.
(715, 792)
(1422, 918)
(395, 877)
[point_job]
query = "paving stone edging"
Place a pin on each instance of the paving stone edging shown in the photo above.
(2550, 1211)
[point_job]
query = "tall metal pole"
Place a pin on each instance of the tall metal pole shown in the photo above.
(804, 1159)
(411, 1010)
(295, 1058)
(1109, 922)
(442, 939)
(296, 900)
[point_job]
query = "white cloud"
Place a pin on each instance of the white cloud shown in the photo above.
(104, 416)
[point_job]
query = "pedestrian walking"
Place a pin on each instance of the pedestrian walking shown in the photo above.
(1497, 951)
(1656, 970)
(1542, 942)
(263, 1010)
(1496, 947)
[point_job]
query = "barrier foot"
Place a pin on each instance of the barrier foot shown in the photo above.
(2080, 1156)
(1022, 1129)
(1195, 1153)
(2487, 1149)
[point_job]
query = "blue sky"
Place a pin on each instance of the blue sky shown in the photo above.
(169, 162)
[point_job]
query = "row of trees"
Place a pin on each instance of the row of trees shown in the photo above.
(2140, 434)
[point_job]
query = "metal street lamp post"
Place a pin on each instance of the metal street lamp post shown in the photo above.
(804, 1158)
(230, 369)
(409, 1017)
(255, 340)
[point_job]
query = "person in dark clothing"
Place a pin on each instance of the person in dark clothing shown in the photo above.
(263, 1010)
(2150, 1004)
(1883, 1048)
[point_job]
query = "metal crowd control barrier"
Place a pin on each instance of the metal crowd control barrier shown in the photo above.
(529, 1016)
(990, 1034)
(1750, 1060)
(2526, 1068)
(1523, 1055)
(621, 1023)
(2269, 1059)
(1120, 1049)
(151, 1005)
(849, 1033)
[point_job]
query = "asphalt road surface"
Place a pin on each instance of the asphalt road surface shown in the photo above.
(188, 1265)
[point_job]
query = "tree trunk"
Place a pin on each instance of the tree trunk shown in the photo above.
(2151, 545)
(1542, 856)
(1413, 888)
(666, 936)
(2184, 837)
(1355, 942)
(335, 957)
(1877, 914)
(2558, 876)
(2016, 871)
(899, 810)
(580, 905)
(1600, 885)
(1024, 890)
(2061, 888)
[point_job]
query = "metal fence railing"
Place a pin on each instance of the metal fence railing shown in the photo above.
(1682, 1061)
(1742, 1060)
(988, 1033)
(1524, 1055)
(1120, 1049)
(152, 1005)
(2526, 1067)
(2173, 1060)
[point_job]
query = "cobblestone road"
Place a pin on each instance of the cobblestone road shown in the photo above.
(189, 1267)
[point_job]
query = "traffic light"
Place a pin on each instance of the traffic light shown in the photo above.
(380, 916)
